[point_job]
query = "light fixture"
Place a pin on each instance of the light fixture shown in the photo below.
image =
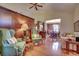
(54, 21)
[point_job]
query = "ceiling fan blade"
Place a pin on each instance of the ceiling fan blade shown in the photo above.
(39, 5)
(33, 3)
(36, 8)
(30, 7)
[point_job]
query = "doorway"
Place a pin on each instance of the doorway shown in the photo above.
(53, 28)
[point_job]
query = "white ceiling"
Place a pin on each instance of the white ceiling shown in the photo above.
(48, 8)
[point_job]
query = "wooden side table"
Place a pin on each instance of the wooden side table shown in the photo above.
(67, 45)
(77, 48)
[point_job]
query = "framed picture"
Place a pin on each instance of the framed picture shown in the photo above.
(76, 26)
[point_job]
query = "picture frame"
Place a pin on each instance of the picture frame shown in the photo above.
(76, 26)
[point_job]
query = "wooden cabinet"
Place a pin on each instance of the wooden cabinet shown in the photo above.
(77, 48)
(72, 45)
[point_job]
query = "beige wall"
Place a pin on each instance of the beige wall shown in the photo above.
(76, 13)
(66, 23)
(76, 18)
(43, 16)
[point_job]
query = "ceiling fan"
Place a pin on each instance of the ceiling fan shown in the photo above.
(35, 5)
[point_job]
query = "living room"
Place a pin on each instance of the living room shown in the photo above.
(32, 26)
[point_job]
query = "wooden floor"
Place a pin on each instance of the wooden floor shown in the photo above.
(69, 53)
(40, 51)
(50, 48)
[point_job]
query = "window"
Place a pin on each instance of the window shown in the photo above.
(56, 28)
